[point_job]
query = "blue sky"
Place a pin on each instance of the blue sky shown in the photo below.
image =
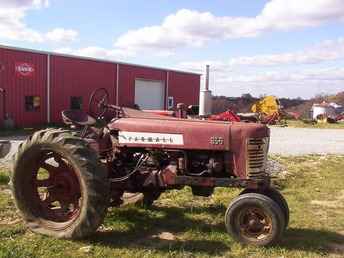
(287, 48)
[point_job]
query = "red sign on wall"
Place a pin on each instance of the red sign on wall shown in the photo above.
(25, 69)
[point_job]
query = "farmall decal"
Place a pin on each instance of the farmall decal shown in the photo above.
(150, 138)
(25, 69)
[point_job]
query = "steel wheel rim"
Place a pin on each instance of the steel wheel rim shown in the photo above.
(254, 224)
(57, 197)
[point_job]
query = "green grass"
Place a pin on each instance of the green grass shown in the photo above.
(4, 179)
(314, 188)
(301, 124)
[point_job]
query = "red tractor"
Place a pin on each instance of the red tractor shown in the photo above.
(63, 180)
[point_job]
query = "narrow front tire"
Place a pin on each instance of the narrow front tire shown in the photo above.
(254, 219)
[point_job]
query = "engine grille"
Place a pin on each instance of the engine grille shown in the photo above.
(257, 149)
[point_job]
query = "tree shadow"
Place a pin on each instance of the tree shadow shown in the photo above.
(305, 239)
(144, 228)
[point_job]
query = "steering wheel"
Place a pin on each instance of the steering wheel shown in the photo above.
(99, 100)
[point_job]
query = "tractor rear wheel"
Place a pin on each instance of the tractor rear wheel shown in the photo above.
(59, 186)
(254, 219)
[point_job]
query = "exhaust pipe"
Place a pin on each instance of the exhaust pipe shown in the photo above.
(205, 101)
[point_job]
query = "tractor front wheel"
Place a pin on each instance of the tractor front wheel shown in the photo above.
(275, 195)
(254, 219)
(59, 186)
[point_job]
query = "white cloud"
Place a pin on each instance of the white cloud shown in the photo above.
(329, 50)
(40, 3)
(289, 14)
(293, 83)
(24, 3)
(62, 35)
(296, 83)
(233, 78)
(326, 51)
(194, 28)
(328, 74)
(185, 28)
(13, 27)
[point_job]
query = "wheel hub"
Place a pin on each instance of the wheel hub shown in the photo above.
(58, 189)
(254, 223)
(64, 187)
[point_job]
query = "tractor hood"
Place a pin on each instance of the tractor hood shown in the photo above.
(173, 133)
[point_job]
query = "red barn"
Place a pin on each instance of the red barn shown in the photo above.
(36, 86)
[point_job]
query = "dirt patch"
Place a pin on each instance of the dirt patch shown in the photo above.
(86, 249)
(132, 198)
(158, 239)
(165, 236)
(336, 248)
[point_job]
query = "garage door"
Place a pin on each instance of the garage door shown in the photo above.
(149, 94)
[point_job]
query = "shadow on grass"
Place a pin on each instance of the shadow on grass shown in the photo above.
(319, 241)
(144, 227)
(4, 178)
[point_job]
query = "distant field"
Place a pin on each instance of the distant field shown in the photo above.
(301, 124)
(182, 226)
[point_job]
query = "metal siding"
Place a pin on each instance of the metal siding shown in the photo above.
(2, 108)
(127, 76)
(77, 77)
(92, 59)
(17, 87)
(184, 88)
(72, 76)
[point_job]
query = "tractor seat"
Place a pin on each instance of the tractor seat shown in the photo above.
(78, 117)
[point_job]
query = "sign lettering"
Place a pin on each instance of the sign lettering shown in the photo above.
(24, 69)
(150, 138)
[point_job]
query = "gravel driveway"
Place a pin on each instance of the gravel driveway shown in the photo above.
(298, 141)
(15, 141)
(285, 141)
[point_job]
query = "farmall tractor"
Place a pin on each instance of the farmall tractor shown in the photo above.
(63, 180)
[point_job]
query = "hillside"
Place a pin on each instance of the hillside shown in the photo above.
(243, 104)
(304, 108)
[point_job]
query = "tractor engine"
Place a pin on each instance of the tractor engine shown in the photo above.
(191, 163)
(155, 169)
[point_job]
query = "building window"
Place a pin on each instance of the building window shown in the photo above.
(75, 103)
(32, 103)
(170, 103)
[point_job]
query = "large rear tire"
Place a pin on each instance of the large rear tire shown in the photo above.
(254, 219)
(59, 186)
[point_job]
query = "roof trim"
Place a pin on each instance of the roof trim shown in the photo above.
(93, 59)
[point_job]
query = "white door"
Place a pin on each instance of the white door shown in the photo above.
(150, 94)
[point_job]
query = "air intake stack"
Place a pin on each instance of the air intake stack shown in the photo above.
(205, 102)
